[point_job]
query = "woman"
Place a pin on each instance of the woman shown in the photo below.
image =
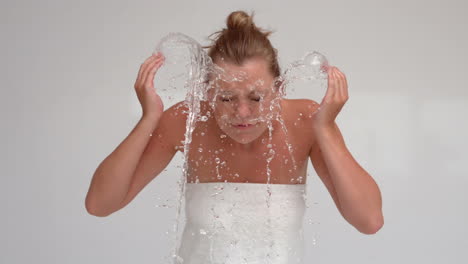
(235, 152)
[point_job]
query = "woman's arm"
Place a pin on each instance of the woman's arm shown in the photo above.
(357, 194)
(112, 178)
(142, 156)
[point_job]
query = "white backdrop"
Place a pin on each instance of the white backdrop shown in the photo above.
(67, 100)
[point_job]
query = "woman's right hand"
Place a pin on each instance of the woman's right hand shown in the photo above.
(150, 101)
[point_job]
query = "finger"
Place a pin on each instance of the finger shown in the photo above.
(147, 63)
(339, 92)
(143, 65)
(149, 76)
(152, 73)
(331, 86)
(150, 65)
(141, 71)
(330, 70)
(325, 68)
(343, 86)
(150, 68)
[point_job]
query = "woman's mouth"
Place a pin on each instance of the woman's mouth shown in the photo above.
(242, 126)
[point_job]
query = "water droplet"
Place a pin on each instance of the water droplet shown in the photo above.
(200, 150)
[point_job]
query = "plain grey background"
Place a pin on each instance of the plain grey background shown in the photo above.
(67, 100)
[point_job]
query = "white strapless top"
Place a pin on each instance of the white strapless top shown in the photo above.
(232, 223)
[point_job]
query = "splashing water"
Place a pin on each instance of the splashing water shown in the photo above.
(179, 49)
(191, 73)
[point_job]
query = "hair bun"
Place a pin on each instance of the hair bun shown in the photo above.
(239, 20)
(243, 40)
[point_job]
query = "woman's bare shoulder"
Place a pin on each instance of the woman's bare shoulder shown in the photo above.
(176, 112)
(171, 126)
(297, 115)
(303, 108)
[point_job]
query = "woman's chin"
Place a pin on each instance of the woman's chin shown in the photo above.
(245, 138)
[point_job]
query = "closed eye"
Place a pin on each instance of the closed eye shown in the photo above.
(229, 99)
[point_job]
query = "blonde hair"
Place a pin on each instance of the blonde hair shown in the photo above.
(242, 40)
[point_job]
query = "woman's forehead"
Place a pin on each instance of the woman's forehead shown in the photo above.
(242, 82)
(252, 76)
(254, 68)
(257, 87)
(239, 91)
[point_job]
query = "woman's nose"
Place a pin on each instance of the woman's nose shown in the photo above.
(243, 109)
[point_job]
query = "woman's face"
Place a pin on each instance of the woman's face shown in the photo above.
(243, 99)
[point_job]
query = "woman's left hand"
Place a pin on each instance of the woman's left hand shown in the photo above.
(334, 100)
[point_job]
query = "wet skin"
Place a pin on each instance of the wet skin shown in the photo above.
(224, 159)
(221, 150)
